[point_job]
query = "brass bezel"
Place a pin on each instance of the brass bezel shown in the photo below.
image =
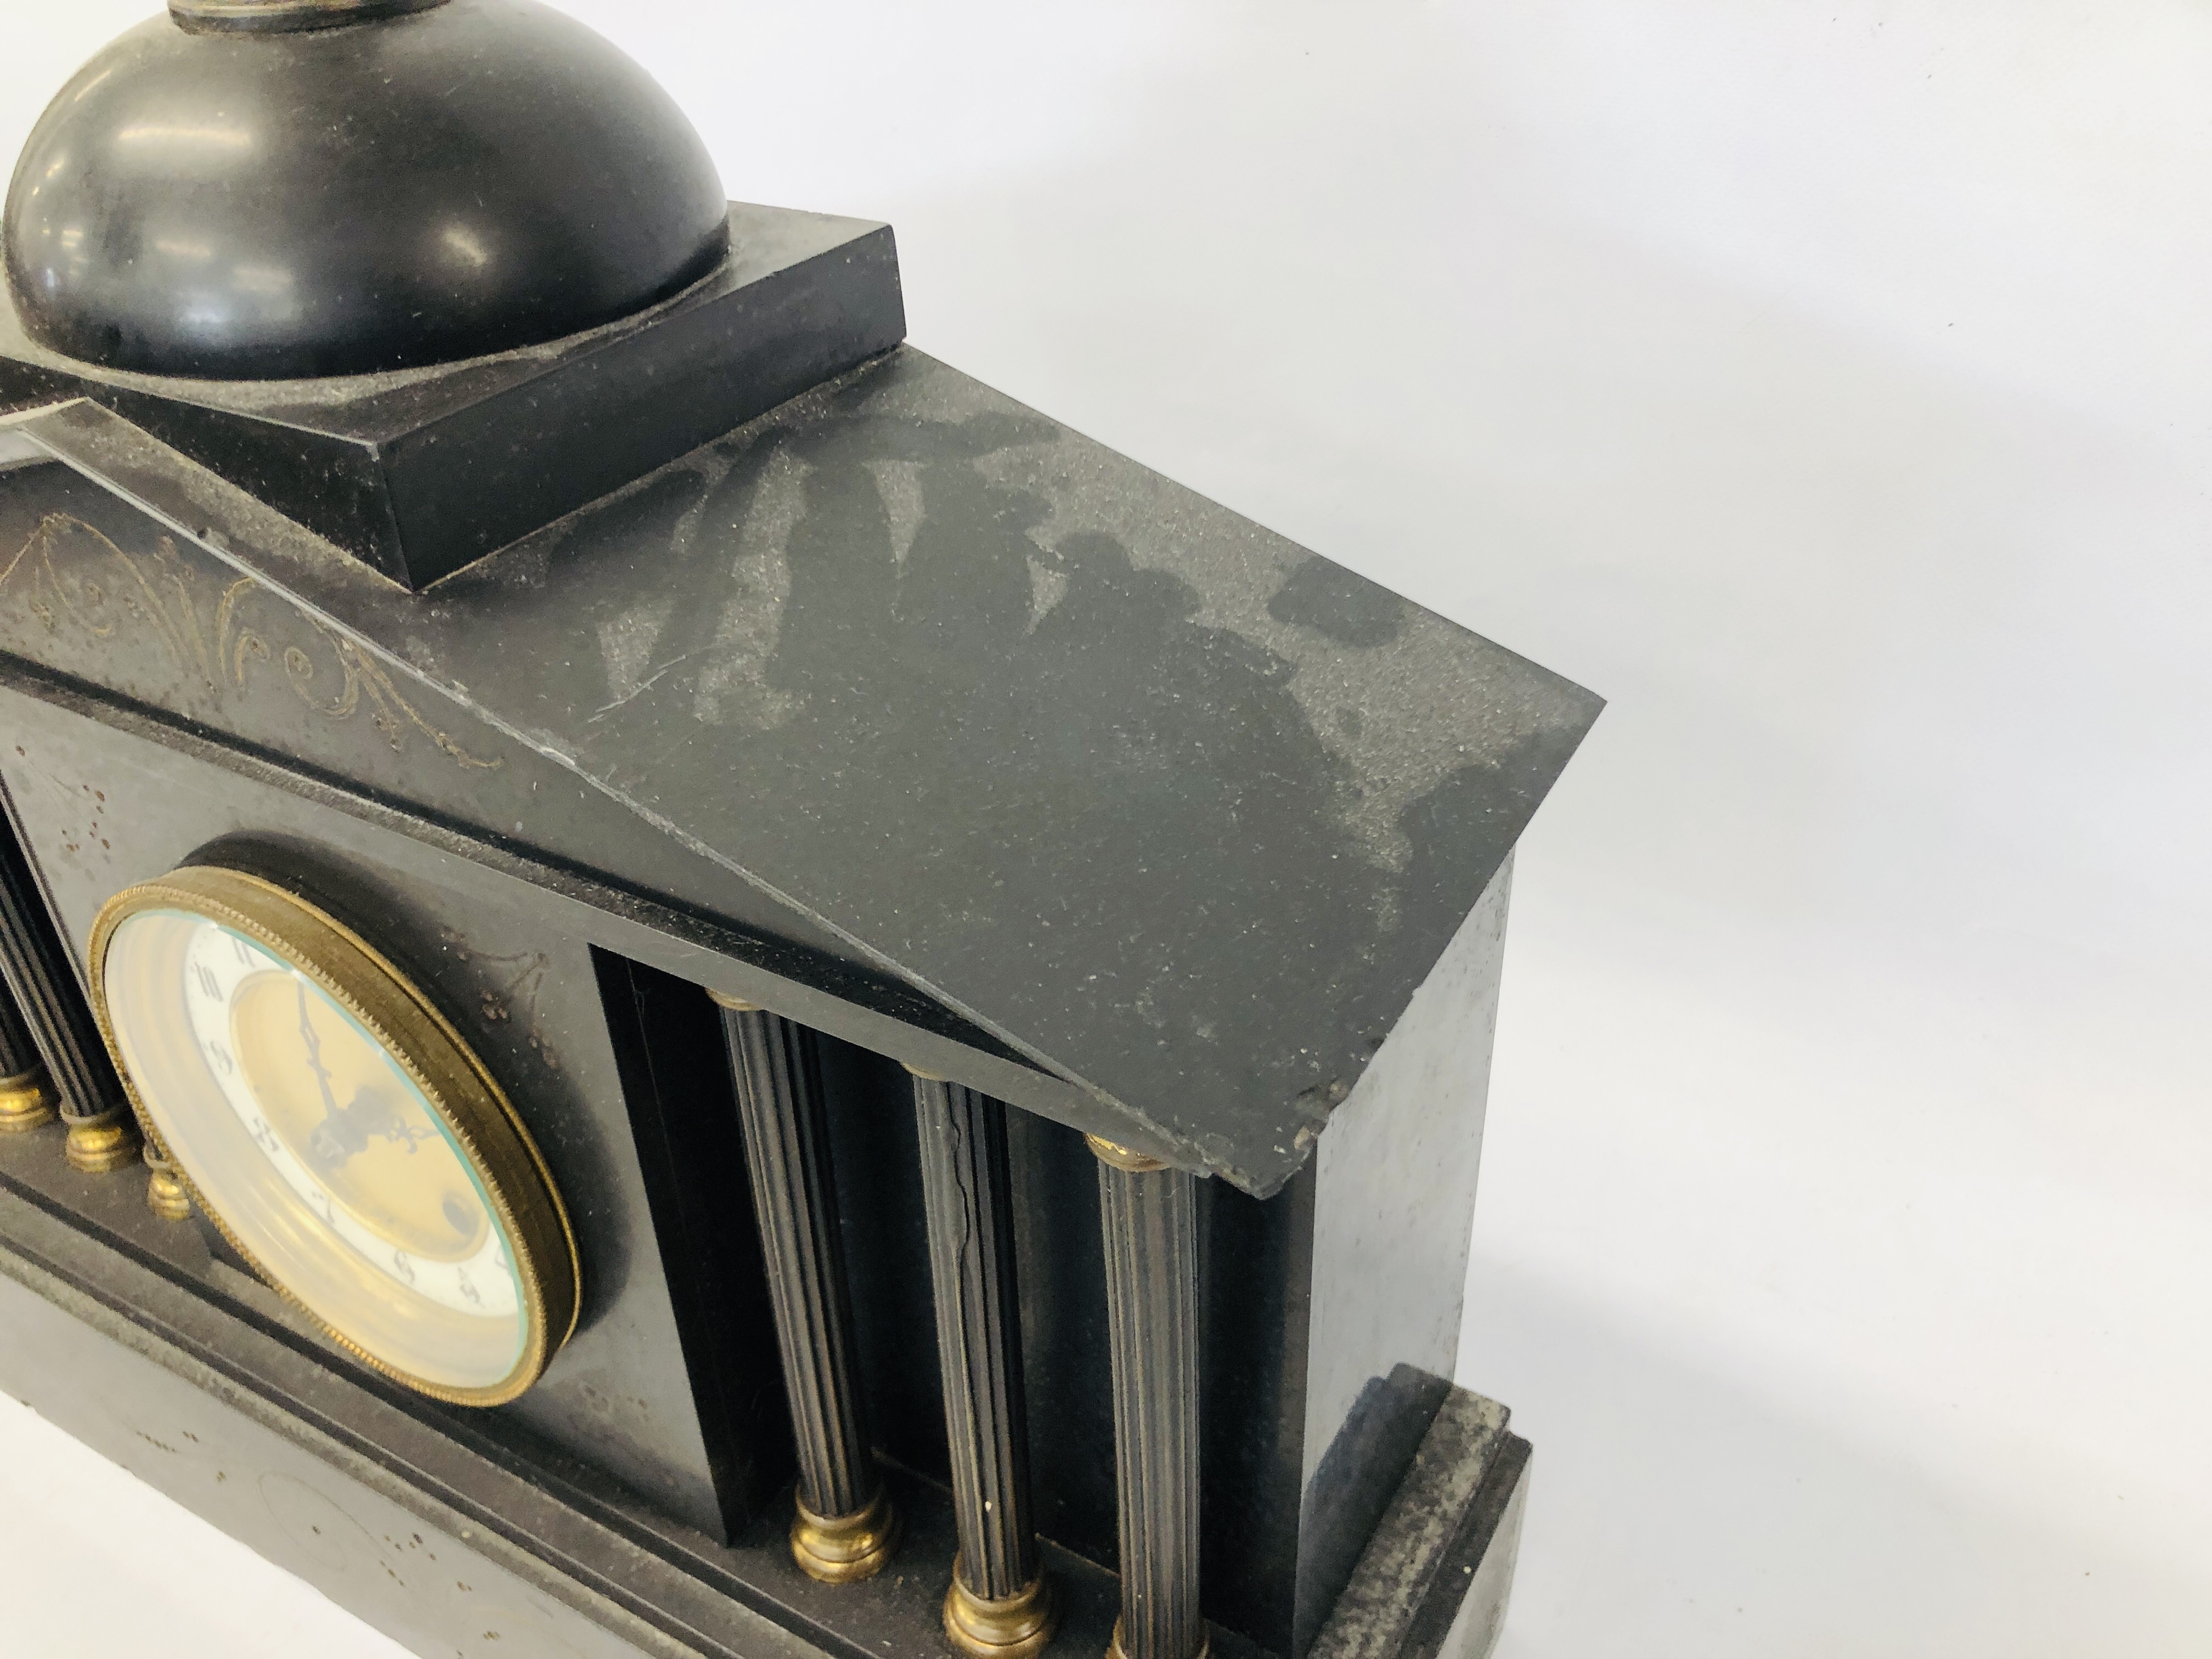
(459, 1088)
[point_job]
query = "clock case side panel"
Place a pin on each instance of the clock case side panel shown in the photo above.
(1332, 1310)
(524, 994)
(1394, 1180)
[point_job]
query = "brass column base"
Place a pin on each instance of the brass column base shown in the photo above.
(26, 1102)
(1115, 1650)
(100, 1145)
(1014, 1626)
(166, 1196)
(843, 1549)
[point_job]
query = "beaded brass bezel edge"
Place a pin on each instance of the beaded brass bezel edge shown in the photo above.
(437, 1058)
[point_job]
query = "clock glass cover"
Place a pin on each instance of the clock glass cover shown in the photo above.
(339, 1131)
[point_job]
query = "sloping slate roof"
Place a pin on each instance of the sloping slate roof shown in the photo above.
(1175, 807)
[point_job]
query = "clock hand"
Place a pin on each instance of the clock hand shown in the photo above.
(315, 1055)
(326, 1146)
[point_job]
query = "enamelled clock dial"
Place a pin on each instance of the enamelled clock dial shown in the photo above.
(338, 1130)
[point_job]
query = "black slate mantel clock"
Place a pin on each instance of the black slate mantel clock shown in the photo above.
(762, 1004)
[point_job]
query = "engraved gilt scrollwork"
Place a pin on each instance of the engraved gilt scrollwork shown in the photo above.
(161, 590)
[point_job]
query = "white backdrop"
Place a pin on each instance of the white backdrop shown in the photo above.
(1831, 387)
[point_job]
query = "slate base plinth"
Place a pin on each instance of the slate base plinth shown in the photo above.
(1435, 1578)
(442, 1539)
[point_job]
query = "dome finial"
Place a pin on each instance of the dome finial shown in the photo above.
(245, 190)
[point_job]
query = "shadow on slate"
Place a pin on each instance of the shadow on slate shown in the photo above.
(1174, 809)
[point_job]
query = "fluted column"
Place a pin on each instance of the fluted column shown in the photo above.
(1150, 1215)
(845, 1529)
(36, 968)
(25, 1101)
(999, 1605)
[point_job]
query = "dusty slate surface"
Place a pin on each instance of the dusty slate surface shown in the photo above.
(1178, 809)
(1412, 1545)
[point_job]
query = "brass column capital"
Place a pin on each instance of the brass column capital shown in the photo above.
(1123, 1158)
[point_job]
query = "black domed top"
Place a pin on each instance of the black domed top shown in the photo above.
(435, 185)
